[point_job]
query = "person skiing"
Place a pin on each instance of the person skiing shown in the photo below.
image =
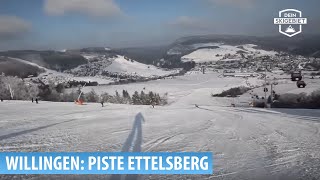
(102, 103)
(1, 100)
(37, 101)
(32, 100)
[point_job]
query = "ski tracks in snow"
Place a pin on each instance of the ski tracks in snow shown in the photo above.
(276, 147)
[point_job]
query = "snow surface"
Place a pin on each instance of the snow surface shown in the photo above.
(127, 66)
(90, 56)
(247, 143)
(210, 55)
(178, 87)
(119, 64)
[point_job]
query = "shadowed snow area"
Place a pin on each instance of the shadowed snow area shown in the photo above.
(132, 144)
(134, 140)
(247, 143)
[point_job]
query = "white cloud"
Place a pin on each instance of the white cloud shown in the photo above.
(98, 8)
(12, 26)
(236, 3)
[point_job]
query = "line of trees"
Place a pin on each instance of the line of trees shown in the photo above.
(233, 92)
(141, 98)
(22, 90)
(301, 100)
(136, 98)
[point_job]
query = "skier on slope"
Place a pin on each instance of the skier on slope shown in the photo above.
(102, 102)
(37, 101)
(32, 100)
(1, 100)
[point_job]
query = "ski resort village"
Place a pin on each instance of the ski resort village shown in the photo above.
(254, 105)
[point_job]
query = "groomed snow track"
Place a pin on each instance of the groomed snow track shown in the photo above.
(247, 143)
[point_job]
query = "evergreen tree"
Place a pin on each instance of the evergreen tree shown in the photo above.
(136, 98)
(124, 94)
(118, 98)
(151, 98)
(157, 99)
(126, 97)
(143, 98)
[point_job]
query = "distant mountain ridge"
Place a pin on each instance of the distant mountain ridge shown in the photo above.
(12, 67)
(170, 56)
(55, 60)
(166, 56)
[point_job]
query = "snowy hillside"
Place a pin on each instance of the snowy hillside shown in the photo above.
(118, 66)
(58, 77)
(222, 51)
(128, 66)
(100, 68)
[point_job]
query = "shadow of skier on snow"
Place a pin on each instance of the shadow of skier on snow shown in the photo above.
(134, 140)
(132, 144)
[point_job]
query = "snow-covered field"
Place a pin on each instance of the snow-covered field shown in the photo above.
(216, 54)
(128, 66)
(118, 65)
(188, 89)
(247, 143)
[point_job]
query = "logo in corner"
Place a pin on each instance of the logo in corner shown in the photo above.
(290, 22)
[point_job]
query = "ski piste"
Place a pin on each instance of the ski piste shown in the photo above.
(161, 90)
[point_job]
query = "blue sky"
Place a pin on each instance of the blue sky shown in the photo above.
(59, 24)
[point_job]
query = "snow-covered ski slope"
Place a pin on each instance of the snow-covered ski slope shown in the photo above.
(119, 65)
(180, 88)
(216, 54)
(247, 143)
(122, 65)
